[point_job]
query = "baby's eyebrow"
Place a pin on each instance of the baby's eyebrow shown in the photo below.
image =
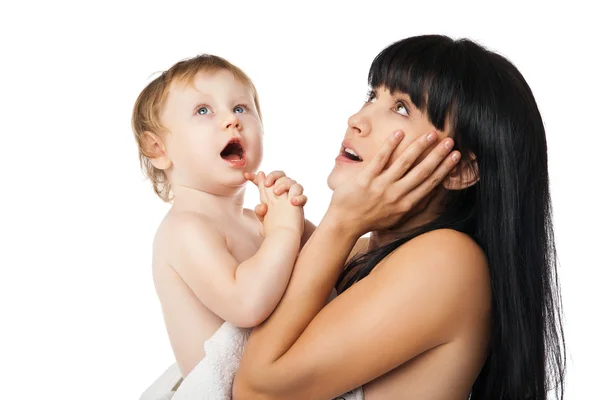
(248, 101)
(198, 92)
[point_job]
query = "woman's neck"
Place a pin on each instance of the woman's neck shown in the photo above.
(423, 213)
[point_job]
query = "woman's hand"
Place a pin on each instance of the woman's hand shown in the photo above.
(379, 197)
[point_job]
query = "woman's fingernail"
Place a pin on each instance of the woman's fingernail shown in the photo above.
(398, 134)
(431, 137)
(455, 157)
(448, 144)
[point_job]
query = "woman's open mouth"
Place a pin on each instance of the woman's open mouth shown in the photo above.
(348, 155)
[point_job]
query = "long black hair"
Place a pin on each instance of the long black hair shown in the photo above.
(495, 120)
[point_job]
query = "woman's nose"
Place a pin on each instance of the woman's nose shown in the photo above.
(359, 124)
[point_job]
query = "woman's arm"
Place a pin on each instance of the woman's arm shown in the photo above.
(413, 302)
(293, 354)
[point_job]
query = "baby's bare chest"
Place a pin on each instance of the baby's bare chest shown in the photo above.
(243, 241)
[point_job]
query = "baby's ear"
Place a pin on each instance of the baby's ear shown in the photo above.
(464, 175)
(154, 148)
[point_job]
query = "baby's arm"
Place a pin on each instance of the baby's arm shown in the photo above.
(244, 293)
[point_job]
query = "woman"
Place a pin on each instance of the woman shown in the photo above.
(454, 296)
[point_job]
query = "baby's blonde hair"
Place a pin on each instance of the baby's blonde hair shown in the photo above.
(147, 108)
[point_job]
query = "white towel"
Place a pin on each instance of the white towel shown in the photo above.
(212, 378)
(164, 387)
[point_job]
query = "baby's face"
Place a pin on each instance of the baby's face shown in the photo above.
(215, 133)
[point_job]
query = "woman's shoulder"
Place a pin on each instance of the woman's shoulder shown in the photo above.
(445, 248)
(444, 260)
(436, 286)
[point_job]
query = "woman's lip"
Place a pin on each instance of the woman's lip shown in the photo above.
(341, 158)
(347, 145)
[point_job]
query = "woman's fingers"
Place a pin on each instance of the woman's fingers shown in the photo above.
(415, 195)
(376, 165)
(426, 167)
(407, 158)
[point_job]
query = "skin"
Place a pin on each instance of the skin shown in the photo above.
(418, 326)
(213, 260)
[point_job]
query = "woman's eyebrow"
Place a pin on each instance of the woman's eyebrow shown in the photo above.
(405, 98)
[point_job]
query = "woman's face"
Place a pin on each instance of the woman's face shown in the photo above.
(383, 114)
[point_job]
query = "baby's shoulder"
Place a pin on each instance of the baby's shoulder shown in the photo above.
(184, 218)
(177, 225)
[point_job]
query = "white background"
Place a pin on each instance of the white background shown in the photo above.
(80, 319)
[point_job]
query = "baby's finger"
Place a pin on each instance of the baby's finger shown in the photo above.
(283, 185)
(299, 200)
(260, 182)
(273, 176)
(260, 211)
(251, 177)
(296, 190)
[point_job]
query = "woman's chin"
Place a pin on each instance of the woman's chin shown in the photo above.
(334, 179)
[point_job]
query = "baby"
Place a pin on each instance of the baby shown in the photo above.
(198, 128)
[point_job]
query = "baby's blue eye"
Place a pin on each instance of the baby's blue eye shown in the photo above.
(238, 109)
(203, 110)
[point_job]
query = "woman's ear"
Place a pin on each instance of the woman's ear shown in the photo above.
(464, 175)
(154, 148)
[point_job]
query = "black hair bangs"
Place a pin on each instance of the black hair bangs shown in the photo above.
(421, 69)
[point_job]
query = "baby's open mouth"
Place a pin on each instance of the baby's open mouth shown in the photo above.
(233, 151)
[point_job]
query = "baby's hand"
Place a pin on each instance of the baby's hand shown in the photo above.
(283, 189)
(281, 184)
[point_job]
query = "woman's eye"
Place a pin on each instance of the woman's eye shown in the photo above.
(400, 108)
(203, 110)
(370, 97)
(239, 109)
